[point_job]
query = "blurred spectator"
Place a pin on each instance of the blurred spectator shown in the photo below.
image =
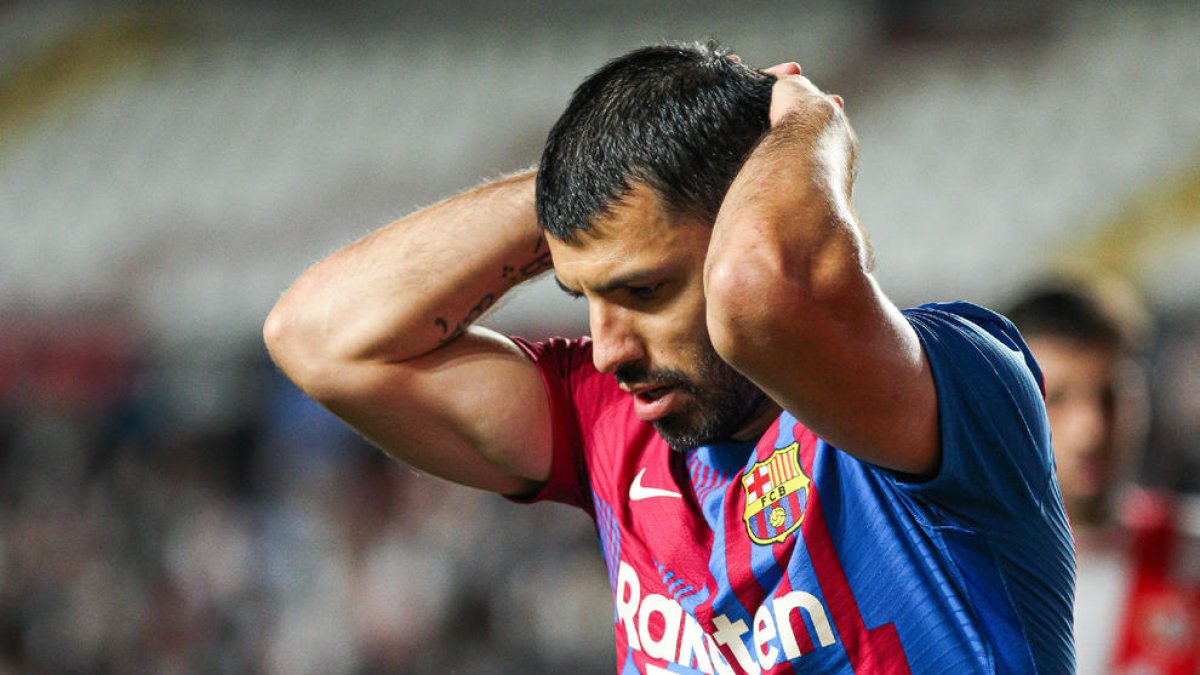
(1136, 609)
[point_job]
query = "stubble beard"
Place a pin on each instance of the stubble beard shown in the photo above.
(722, 401)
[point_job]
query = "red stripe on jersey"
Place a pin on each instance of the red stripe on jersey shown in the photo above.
(795, 506)
(783, 554)
(877, 650)
(737, 562)
(736, 557)
(742, 581)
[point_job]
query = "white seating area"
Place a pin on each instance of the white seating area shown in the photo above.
(979, 172)
(193, 184)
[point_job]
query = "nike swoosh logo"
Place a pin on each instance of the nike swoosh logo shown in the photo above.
(637, 491)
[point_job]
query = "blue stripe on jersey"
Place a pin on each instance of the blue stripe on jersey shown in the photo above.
(787, 431)
(683, 593)
(763, 564)
(727, 460)
(610, 542)
(801, 572)
(725, 601)
(722, 462)
(705, 480)
(682, 670)
(629, 667)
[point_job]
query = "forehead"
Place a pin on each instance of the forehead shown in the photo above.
(1072, 361)
(638, 232)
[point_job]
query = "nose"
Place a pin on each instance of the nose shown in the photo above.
(615, 341)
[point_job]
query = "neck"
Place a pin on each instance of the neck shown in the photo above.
(760, 420)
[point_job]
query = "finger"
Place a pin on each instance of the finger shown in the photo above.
(791, 91)
(788, 82)
(784, 69)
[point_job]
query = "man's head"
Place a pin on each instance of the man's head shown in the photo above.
(1083, 336)
(629, 186)
(678, 118)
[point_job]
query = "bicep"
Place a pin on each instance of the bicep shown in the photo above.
(474, 411)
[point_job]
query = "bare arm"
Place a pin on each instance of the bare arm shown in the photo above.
(791, 302)
(380, 333)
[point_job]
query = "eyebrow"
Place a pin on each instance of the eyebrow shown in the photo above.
(628, 279)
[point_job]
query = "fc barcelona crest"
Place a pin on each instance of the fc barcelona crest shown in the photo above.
(776, 494)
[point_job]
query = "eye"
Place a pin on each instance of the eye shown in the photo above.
(645, 292)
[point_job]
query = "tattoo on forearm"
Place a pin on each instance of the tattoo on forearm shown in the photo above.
(540, 263)
(511, 275)
(537, 266)
(474, 313)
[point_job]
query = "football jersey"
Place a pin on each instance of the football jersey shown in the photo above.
(787, 555)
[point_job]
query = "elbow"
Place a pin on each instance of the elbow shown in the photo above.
(740, 301)
(294, 351)
(276, 335)
(755, 299)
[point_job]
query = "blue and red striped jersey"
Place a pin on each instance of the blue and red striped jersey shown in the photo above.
(788, 555)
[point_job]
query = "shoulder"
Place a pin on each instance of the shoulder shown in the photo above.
(564, 363)
(995, 437)
(965, 335)
(576, 389)
(560, 351)
(963, 317)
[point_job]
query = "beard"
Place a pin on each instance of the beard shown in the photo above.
(722, 400)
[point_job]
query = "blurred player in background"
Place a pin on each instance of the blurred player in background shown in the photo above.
(788, 474)
(1136, 610)
(1087, 337)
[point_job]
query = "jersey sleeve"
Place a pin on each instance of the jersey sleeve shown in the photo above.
(570, 380)
(997, 463)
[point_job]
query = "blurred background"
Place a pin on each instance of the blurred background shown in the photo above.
(168, 503)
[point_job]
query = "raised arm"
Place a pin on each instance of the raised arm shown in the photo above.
(791, 302)
(380, 333)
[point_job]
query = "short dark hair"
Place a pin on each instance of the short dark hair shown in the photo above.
(1088, 312)
(681, 118)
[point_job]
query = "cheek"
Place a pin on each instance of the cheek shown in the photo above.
(681, 329)
(673, 330)
(673, 347)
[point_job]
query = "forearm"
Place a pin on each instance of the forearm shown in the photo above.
(791, 303)
(412, 286)
(786, 231)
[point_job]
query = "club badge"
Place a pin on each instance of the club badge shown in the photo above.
(776, 494)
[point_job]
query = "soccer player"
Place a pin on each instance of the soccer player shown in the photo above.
(787, 473)
(1138, 606)
(1086, 336)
